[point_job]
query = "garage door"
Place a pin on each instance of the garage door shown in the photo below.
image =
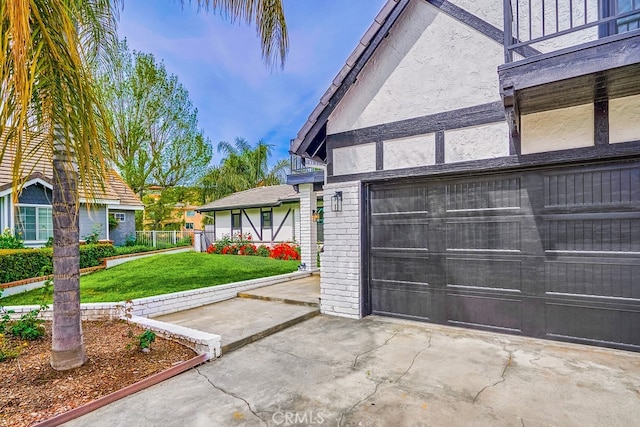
(549, 253)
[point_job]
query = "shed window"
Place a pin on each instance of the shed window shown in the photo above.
(119, 216)
(267, 219)
(236, 223)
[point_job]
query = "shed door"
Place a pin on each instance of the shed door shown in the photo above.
(551, 253)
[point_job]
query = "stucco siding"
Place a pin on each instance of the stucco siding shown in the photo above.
(223, 224)
(624, 119)
(356, 159)
(476, 143)
(280, 217)
(90, 216)
(429, 63)
(559, 129)
(409, 152)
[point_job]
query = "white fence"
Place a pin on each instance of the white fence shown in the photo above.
(158, 238)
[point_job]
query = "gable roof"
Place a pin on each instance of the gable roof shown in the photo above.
(38, 166)
(269, 196)
(310, 139)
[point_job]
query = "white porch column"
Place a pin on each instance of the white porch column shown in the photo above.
(308, 228)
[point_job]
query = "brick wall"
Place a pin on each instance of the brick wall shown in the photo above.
(340, 262)
(308, 228)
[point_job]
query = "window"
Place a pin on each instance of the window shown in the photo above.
(191, 213)
(266, 219)
(236, 223)
(630, 22)
(119, 216)
(188, 226)
(34, 223)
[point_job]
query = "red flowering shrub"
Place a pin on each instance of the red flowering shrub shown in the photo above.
(242, 245)
(285, 251)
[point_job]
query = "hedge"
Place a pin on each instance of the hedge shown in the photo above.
(18, 264)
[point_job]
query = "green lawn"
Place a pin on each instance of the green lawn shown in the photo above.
(163, 274)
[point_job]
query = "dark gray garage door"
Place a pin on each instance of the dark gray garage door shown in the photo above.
(546, 253)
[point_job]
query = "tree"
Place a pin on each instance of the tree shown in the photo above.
(49, 99)
(242, 168)
(154, 123)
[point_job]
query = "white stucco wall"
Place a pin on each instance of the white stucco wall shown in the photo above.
(409, 152)
(476, 143)
(356, 159)
(560, 129)
(223, 224)
(624, 119)
(428, 64)
(340, 262)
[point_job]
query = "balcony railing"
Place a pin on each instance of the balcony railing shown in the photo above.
(541, 26)
(300, 165)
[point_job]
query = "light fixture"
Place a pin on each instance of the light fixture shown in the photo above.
(315, 216)
(336, 202)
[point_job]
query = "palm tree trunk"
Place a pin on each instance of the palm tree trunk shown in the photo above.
(68, 350)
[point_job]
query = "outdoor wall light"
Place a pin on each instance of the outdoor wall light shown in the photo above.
(336, 202)
(315, 216)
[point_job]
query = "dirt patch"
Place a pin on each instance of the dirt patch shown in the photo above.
(31, 391)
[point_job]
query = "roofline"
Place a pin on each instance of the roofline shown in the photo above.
(316, 123)
(262, 205)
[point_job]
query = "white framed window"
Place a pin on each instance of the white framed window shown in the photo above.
(34, 223)
(119, 216)
(188, 226)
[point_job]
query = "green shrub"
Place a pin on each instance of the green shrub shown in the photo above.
(9, 241)
(18, 264)
(91, 255)
(126, 250)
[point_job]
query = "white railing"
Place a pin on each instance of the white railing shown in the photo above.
(156, 238)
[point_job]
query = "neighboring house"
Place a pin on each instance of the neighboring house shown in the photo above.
(31, 216)
(488, 179)
(269, 214)
(188, 217)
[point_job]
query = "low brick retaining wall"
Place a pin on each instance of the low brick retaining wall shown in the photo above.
(167, 303)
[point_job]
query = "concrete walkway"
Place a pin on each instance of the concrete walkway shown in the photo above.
(260, 313)
(382, 372)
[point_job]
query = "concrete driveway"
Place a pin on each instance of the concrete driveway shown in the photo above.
(384, 372)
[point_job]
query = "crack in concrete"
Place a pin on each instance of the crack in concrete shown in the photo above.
(355, 361)
(522, 421)
(359, 402)
(503, 379)
(277, 350)
(414, 360)
(255, 414)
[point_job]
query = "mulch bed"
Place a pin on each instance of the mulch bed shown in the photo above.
(31, 391)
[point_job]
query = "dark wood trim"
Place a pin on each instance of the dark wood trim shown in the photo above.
(281, 224)
(379, 155)
(455, 119)
(259, 234)
(215, 226)
(352, 76)
(601, 111)
(622, 151)
(365, 294)
(480, 25)
(439, 147)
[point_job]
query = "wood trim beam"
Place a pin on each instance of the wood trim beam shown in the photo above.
(259, 234)
(601, 111)
(480, 25)
(379, 155)
(622, 151)
(464, 117)
(275, 236)
(439, 147)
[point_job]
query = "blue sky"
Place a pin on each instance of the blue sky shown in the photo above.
(220, 64)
